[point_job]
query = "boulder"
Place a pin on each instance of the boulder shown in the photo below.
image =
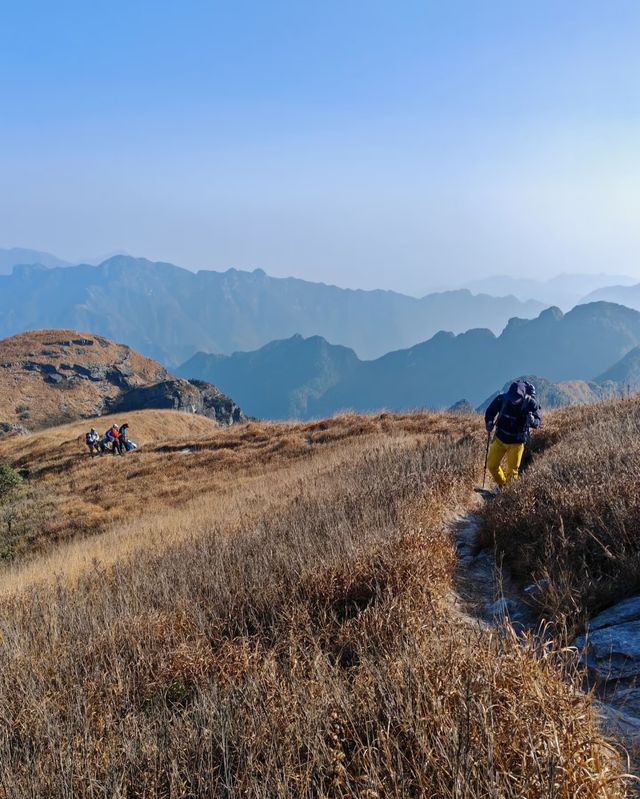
(613, 652)
(34, 366)
(611, 644)
(621, 612)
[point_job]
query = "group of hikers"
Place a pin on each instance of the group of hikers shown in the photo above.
(511, 415)
(116, 440)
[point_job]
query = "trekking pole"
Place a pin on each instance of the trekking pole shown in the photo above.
(486, 459)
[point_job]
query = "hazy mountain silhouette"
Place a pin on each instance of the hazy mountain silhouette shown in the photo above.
(18, 255)
(625, 373)
(577, 346)
(284, 378)
(564, 291)
(621, 294)
(169, 313)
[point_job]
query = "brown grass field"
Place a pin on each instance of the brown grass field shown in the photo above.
(270, 615)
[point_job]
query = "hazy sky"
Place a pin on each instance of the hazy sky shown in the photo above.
(393, 144)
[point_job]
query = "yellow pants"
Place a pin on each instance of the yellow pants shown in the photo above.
(497, 451)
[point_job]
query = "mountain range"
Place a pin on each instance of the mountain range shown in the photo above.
(169, 313)
(305, 378)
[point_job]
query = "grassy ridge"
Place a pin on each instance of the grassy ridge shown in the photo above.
(573, 521)
(307, 647)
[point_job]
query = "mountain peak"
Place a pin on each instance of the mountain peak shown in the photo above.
(551, 314)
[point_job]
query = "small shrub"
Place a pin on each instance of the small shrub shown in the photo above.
(10, 479)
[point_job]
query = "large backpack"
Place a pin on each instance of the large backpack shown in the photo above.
(513, 418)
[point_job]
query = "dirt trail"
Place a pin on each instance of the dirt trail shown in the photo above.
(483, 591)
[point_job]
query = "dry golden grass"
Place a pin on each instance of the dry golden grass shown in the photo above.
(280, 626)
(84, 494)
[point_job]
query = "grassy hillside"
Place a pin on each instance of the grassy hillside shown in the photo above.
(182, 459)
(272, 616)
(49, 376)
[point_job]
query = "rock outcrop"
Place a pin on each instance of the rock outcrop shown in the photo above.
(190, 396)
(611, 644)
(49, 377)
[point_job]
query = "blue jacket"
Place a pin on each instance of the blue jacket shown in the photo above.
(517, 411)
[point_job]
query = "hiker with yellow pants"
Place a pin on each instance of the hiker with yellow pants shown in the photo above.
(516, 411)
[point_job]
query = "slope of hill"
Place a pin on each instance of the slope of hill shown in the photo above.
(48, 376)
(564, 348)
(625, 373)
(16, 256)
(170, 313)
(269, 614)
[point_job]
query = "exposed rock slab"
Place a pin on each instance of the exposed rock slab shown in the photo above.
(192, 396)
(614, 651)
(621, 612)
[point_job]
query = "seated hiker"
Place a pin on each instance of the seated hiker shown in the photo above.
(112, 437)
(516, 411)
(91, 440)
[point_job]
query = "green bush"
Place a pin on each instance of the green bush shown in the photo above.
(10, 479)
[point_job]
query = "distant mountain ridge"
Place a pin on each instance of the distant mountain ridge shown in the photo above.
(623, 295)
(15, 256)
(169, 313)
(321, 379)
(565, 290)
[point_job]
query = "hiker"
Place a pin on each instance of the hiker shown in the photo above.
(516, 411)
(124, 442)
(112, 436)
(91, 440)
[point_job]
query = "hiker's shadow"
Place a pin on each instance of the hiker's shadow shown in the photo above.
(485, 493)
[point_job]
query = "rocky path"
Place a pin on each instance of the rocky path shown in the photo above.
(611, 646)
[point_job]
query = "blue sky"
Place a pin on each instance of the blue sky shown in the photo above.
(370, 144)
